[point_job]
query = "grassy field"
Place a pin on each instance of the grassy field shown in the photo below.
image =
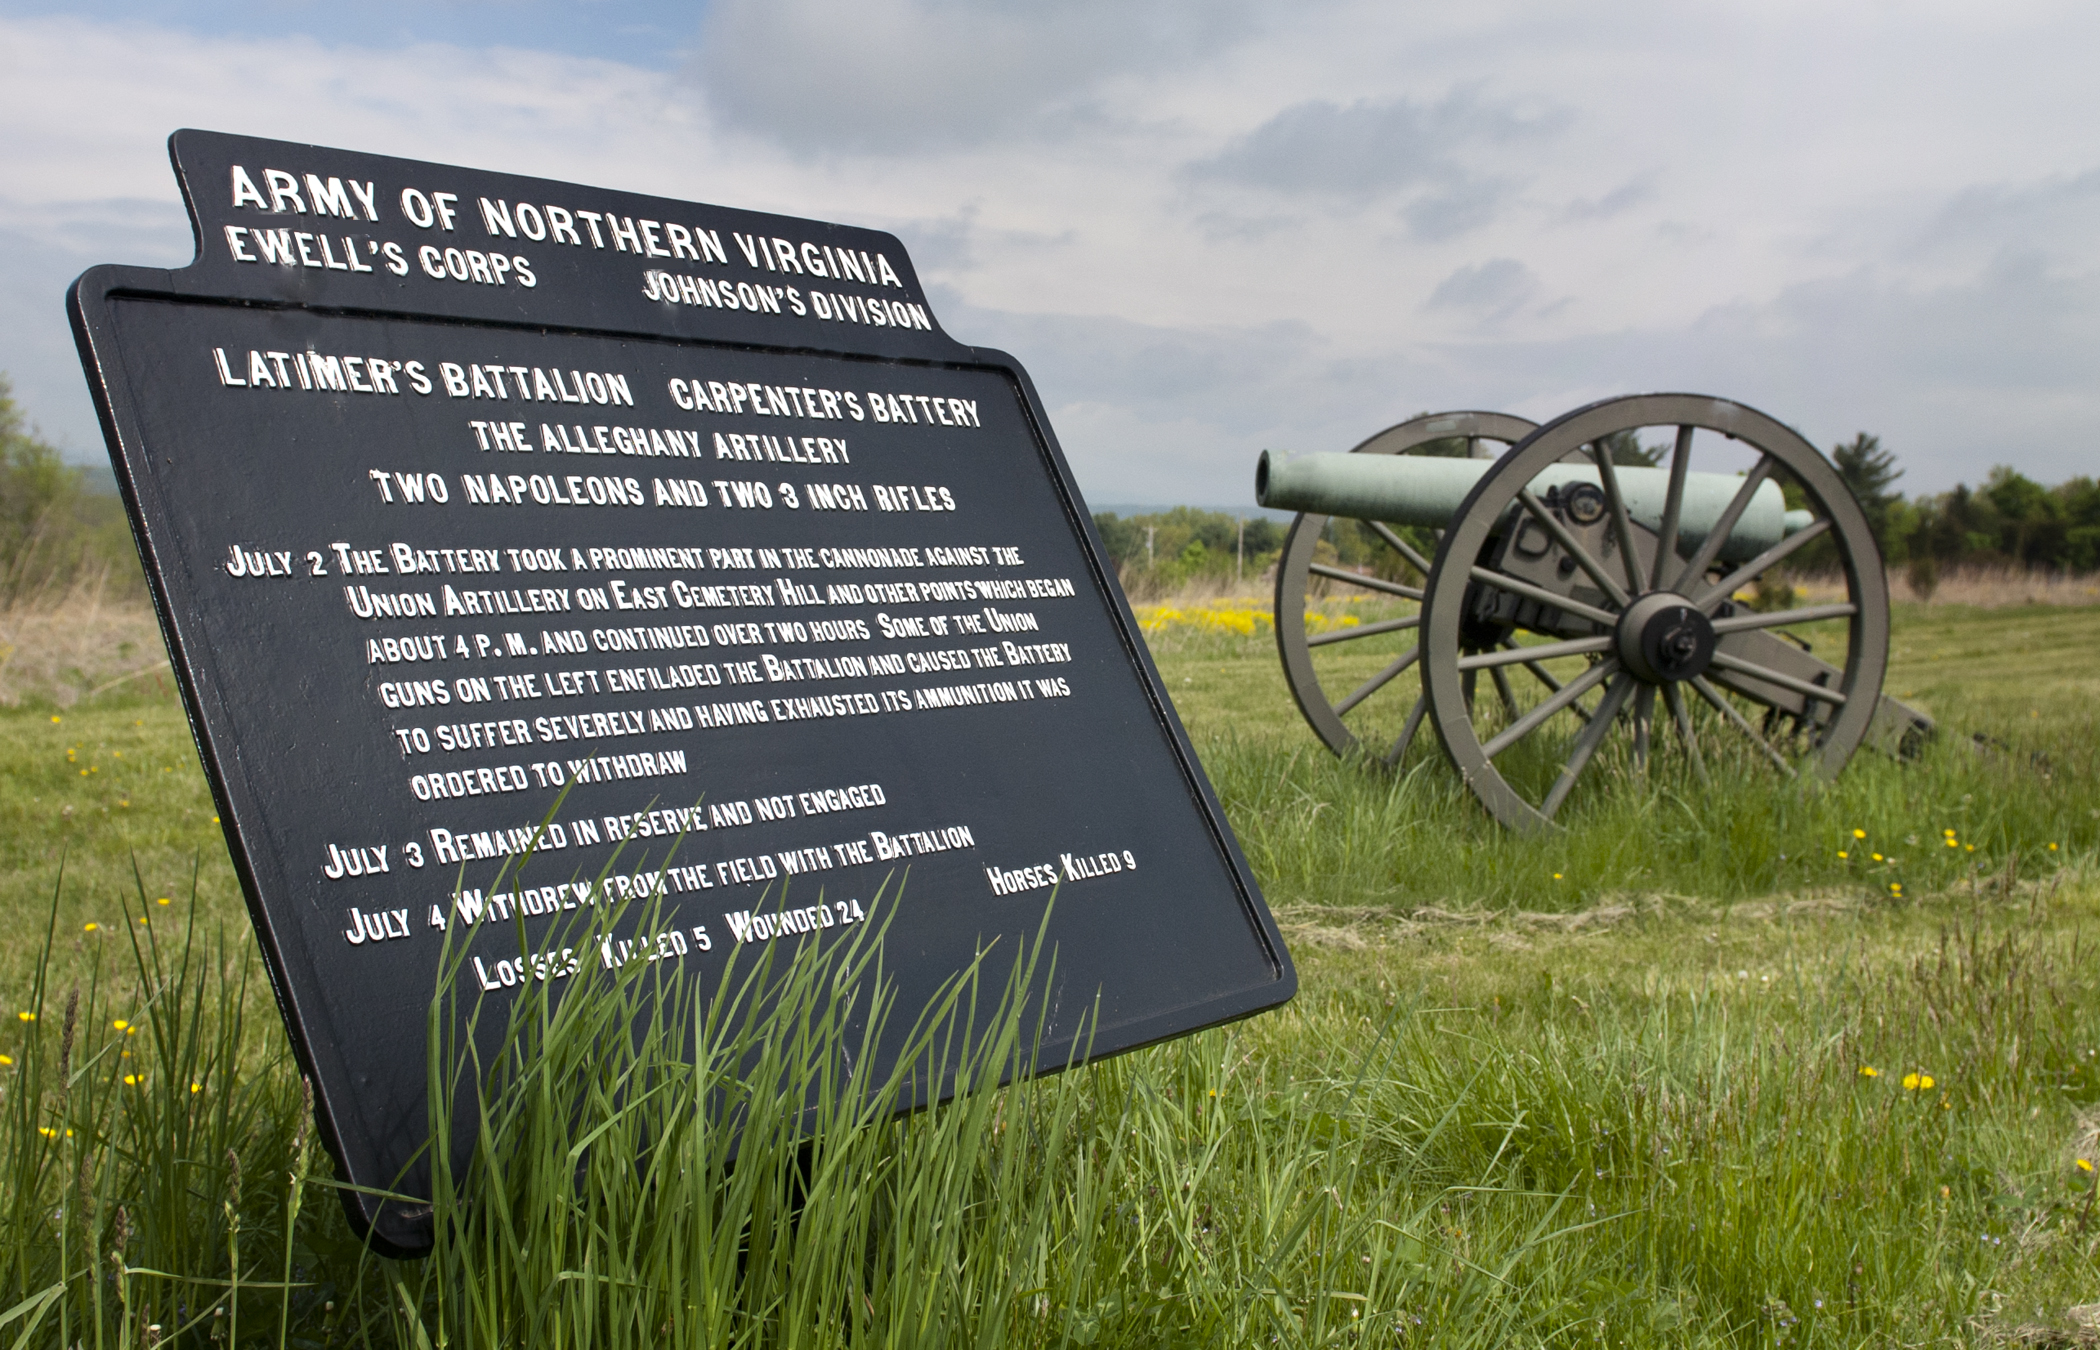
(1682, 1075)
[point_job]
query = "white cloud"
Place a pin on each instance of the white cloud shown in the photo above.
(897, 76)
(1494, 289)
(1368, 147)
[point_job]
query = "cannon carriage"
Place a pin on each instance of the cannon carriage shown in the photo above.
(1605, 603)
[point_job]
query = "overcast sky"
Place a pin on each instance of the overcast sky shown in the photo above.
(1209, 228)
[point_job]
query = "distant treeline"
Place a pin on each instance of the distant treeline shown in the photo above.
(57, 534)
(2010, 520)
(1165, 550)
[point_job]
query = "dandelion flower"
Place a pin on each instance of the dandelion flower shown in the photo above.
(2052, 848)
(196, 1087)
(1556, 876)
(1948, 833)
(134, 1079)
(89, 927)
(1952, 842)
(26, 1016)
(120, 1024)
(58, 719)
(1877, 857)
(162, 901)
(1859, 834)
(7, 1061)
(1869, 1071)
(1843, 854)
(1917, 1082)
(2085, 1165)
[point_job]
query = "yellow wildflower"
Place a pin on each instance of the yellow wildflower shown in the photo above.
(1843, 854)
(120, 1024)
(1859, 834)
(2085, 1165)
(1917, 1082)
(89, 927)
(7, 1061)
(1869, 1071)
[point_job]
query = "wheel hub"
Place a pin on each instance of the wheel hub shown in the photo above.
(1662, 639)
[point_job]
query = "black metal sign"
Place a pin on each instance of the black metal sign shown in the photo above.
(461, 490)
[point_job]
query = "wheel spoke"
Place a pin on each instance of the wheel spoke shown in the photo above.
(1771, 557)
(1543, 596)
(1673, 505)
(1572, 546)
(1643, 716)
(1545, 677)
(1741, 723)
(1368, 583)
(1378, 681)
(1587, 743)
(1366, 630)
(1545, 651)
(1563, 697)
(1407, 733)
(1399, 545)
(1621, 523)
(1710, 547)
(1778, 677)
(1783, 618)
(1674, 698)
(1509, 695)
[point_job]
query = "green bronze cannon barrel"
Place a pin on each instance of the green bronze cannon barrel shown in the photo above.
(1427, 491)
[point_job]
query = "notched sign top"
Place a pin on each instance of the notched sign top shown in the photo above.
(333, 229)
(483, 510)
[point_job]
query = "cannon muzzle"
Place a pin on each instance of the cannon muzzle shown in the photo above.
(1428, 490)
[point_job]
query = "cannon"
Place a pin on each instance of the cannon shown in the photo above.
(1610, 605)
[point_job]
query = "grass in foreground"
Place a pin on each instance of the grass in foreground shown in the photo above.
(1865, 1125)
(1632, 1106)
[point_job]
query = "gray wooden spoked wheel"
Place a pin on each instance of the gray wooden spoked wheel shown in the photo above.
(1354, 678)
(1653, 625)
